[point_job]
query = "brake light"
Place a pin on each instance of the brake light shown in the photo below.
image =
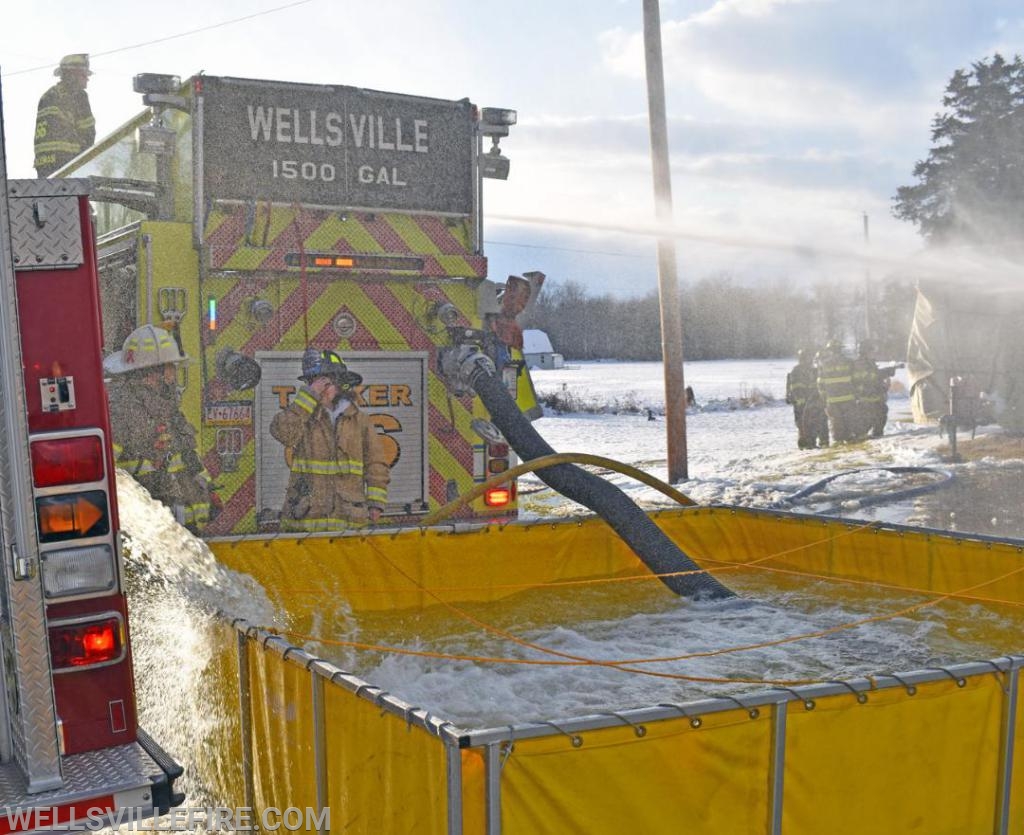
(498, 496)
(75, 645)
(497, 450)
(72, 515)
(59, 461)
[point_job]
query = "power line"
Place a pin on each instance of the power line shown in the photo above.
(171, 37)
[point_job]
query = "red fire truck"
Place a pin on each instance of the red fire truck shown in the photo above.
(71, 750)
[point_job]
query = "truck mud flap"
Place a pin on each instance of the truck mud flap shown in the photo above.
(164, 796)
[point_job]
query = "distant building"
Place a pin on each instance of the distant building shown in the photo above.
(538, 352)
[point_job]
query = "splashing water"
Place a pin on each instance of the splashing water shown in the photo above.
(176, 589)
(627, 625)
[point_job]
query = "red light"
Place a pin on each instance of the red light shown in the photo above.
(67, 461)
(498, 496)
(86, 644)
(497, 450)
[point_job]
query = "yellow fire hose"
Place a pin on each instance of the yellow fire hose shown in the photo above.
(548, 461)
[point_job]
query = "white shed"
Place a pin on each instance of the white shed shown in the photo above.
(537, 350)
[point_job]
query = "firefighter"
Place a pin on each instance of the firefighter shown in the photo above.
(339, 471)
(814, 410)
(152, 440)
(808, 410)
(64, 123)
(835, 384)
(871, 388)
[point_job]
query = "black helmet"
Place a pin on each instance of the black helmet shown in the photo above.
(327, 364)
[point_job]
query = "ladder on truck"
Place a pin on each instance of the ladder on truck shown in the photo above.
(70, 750)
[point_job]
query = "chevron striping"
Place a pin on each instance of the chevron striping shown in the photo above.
(415, 239)
(442, 459)
(326, 235)
(450, 238)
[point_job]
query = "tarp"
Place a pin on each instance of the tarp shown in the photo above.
(925, 758)
(962, 331)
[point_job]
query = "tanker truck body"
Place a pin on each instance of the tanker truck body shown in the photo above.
(257, 220)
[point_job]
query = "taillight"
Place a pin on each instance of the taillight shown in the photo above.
(72, 515)
(79, 643)
(67, 461)
(498, 496)
(88, 570)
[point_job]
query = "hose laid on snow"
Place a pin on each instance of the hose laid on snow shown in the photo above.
(661, 555)
(878, 498)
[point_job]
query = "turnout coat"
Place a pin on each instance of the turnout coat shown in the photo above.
(338, 467)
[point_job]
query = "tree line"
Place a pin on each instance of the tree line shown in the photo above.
(723, 319)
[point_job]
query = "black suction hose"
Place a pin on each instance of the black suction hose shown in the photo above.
(647, 540)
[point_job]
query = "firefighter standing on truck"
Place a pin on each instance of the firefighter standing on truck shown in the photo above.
(152, 439)
(339, 472)
(835, 383)
(64, 122)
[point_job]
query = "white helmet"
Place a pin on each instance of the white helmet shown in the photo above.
(145, 347)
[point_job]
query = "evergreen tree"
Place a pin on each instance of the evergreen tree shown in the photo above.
(970, 189)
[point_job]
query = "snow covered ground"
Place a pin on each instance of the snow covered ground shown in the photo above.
(741, 444)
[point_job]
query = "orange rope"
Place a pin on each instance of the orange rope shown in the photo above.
(484, 659)
(648, 575)
(624, 665)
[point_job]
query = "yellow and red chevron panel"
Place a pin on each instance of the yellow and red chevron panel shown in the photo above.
(258, 237)
(389, 316)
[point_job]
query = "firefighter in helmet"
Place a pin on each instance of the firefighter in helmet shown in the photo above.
(152, 440)
(339, 470)
(835, 384)
(871, 388)
(808, 409)
(64, 123)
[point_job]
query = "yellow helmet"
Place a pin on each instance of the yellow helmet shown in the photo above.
(145, 347)
(76, 62)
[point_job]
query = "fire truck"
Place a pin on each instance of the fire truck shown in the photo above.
(71, 750)
(256, 220)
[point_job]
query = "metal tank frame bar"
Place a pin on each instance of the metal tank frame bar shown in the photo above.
(497, 743)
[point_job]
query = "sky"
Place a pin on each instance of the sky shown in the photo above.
(789, 120)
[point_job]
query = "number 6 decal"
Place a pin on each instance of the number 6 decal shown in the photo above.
(386, 425)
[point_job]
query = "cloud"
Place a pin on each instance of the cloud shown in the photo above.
(872, 65)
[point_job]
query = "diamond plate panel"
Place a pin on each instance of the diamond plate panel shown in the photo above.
(46, 232)
(86, 775)
(33, 720)
(61, 187)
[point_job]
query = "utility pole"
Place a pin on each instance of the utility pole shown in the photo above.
(867, 282)
(668, 279)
